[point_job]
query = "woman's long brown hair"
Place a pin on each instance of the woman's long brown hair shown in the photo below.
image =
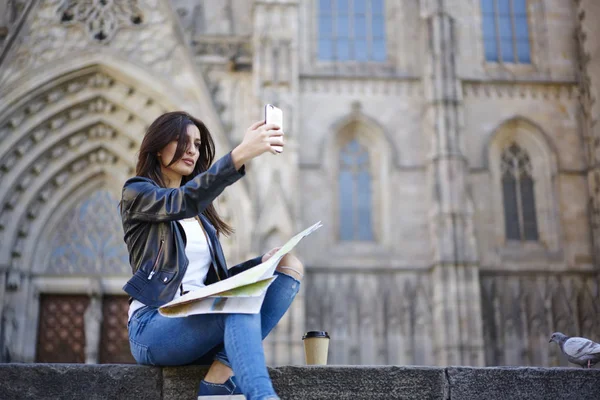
(173, 126)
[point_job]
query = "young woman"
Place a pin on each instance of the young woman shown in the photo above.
(172, 234)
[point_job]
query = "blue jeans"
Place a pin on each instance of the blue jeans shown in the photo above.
(233, 339)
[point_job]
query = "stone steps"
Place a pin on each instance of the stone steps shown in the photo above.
(115, 382)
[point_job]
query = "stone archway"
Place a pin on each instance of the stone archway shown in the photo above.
(64, 144)
(86, 127)
(62, 141)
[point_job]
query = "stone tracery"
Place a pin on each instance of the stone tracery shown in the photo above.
(102, 18)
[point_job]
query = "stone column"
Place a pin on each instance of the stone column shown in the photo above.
(458, 337)
(588, 32)
(93, 324)
(276, 81)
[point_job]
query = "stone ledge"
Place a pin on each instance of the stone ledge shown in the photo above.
(70, 381)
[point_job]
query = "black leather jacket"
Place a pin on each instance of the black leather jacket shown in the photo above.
(156, 240)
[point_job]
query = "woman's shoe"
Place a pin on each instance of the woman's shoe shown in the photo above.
(229, 390)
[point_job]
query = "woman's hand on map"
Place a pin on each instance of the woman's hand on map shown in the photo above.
(270, 253)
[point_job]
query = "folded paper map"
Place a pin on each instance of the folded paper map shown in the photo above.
(241, 293)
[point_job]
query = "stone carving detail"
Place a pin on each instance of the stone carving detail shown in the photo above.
(230, 48)
(375, 318)
(520, 312)
(349, 85)
(101, 18)
(85, 162)
(49, 39)
(11, 12)
(92, 80)
(521, 90)
(90, 239)
(51, 156)
(53, 151)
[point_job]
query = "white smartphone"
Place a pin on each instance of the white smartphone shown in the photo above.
(274, 115)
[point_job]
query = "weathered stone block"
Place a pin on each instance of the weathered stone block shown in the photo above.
(331, 382)
(359, 382)
(182, 382)
(524, 383)
(77, 381)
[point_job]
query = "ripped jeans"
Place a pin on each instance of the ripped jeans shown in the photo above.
(233, 339)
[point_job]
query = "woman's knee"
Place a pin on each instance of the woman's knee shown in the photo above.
(292, 266)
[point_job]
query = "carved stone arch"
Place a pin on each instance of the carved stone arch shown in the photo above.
(61, 71)
(74, 144)
(372, 131)
(95, 129)
(516, 126)
(542, 154)
(372, 136)
(116, 93)
(37, 247)
(33, 202)
(62, 218)
(63, 105)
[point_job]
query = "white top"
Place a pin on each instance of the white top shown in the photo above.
(197, 252)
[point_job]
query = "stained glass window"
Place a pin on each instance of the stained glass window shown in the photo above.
(351, 30)
(355, 191)
(505, 31)
(520, 219)
(90, 239)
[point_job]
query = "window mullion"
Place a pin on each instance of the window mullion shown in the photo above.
(351, 29)
(497, 29)
(519, 203)
(334, 29)
(369, 24)
(513, 30)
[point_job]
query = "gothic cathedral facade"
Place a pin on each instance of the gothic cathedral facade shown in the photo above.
(450, 148)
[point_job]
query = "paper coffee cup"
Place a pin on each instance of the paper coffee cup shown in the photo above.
(316, 346)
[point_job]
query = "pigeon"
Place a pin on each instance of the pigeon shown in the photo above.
(579, 350)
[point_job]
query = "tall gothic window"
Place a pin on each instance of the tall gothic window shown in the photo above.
(351, 30)
(518, 197)
(354, 183)
(505, 31)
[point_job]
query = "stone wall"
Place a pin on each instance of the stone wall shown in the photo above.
(54, 381)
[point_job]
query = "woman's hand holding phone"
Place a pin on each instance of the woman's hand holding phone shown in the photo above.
(274, 115)
(258, 139)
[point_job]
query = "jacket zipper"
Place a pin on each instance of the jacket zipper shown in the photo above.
(160, 249)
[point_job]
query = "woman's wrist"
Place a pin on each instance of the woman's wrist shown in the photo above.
(239, 157)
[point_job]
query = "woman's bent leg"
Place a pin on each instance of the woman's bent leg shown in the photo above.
(277, 301)
(158, 340)
(243, 344)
